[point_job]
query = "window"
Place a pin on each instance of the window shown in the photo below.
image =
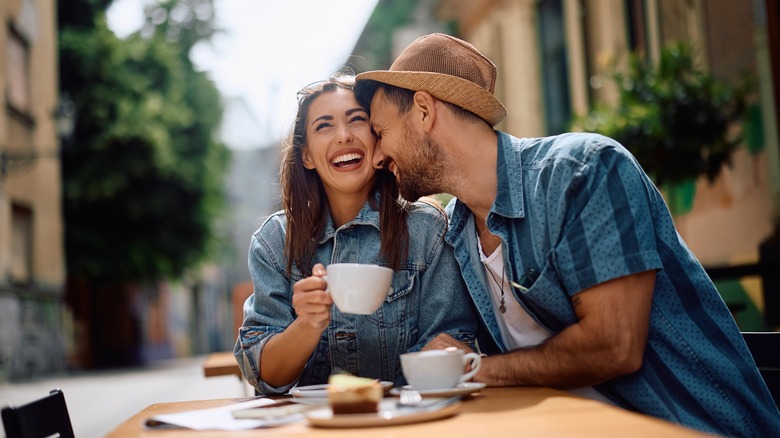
(21, 244)
(555, 68)
(19, 122)
(637, 26)
(18, 72)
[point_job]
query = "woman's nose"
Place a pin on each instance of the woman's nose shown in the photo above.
(344, 135)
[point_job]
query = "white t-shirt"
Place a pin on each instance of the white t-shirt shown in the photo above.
(518, 328)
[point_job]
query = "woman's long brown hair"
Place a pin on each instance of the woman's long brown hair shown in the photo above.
(305, 202)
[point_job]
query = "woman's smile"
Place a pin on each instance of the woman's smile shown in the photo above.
(347, 160)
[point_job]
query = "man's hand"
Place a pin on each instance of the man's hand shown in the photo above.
(444, 341)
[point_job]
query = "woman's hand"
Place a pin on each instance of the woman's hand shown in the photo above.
(285, 355)
(310, 301)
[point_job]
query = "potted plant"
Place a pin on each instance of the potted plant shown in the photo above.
(675, 118)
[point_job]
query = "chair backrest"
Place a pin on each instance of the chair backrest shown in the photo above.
(765, 348)
(44, 417)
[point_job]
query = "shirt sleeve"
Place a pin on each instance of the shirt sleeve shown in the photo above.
(445, 304)
(608, 231)
(267, 311)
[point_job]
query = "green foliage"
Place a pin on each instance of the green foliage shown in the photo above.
(374, 49)
(674, 118)
(142, 178)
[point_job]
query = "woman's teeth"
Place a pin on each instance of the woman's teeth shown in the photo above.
(341, 159)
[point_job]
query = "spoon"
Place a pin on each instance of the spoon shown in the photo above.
(409, 398)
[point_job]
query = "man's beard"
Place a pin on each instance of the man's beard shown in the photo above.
(422, 170)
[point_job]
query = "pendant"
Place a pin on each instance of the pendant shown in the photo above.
(502, 308)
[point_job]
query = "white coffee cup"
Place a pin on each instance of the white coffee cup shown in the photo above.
(358, 288)
(439, 369)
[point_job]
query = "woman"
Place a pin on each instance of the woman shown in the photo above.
(339, 209)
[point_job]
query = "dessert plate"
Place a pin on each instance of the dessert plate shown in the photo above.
(389, 414)
(462, 389)
(321, 391)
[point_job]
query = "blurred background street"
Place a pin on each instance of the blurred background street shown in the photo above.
(140, 144)
(99, 401)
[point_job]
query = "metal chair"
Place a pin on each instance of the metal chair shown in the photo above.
(765, 348)
(44, 417)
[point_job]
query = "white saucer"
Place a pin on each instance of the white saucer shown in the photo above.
(321, 391)
(462, 389)
(389, 414)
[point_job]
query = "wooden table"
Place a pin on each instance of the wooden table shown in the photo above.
(518, 411)
(221, 364)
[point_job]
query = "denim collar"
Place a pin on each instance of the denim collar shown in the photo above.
(366, 216)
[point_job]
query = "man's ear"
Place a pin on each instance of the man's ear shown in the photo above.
(306, 158)
(424, 103)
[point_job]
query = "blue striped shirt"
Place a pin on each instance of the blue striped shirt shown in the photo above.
(577, 210)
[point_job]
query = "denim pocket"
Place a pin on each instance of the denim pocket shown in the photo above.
(398, 306)
(403, 283)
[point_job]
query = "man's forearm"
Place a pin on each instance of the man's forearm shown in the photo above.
(567, 360)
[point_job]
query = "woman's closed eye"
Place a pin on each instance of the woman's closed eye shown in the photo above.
(322, 125)
(359, 118)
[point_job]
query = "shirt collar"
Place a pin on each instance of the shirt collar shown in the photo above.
(509, 192)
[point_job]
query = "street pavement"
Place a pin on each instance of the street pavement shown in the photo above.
(100, 401)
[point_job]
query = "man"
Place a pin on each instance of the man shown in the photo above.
(568, 250)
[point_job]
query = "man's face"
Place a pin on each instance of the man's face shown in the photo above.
(415, 160)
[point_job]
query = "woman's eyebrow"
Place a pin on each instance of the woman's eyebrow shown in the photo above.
(325, 117)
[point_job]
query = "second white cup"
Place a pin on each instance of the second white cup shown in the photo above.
(438, 369)
(358, 288)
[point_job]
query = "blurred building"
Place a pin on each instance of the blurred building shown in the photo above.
(252, 189)
(32, 261)
(252, 183)
(553, 59)
(253, 194)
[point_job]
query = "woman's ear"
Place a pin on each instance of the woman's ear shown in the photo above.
(306, 158)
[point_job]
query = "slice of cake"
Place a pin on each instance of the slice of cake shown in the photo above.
(348, 394)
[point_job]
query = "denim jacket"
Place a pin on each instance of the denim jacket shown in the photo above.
(428, 297)
(576, 210)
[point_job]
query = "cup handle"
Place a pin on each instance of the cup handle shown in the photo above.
(475, 360)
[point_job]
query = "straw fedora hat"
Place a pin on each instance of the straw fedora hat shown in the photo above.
(449, 69)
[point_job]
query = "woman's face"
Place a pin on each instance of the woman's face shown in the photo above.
(340, 145)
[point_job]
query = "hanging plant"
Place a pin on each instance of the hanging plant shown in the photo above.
(676, 119)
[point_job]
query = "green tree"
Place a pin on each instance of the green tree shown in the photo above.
(142, 178)
(374, 48)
